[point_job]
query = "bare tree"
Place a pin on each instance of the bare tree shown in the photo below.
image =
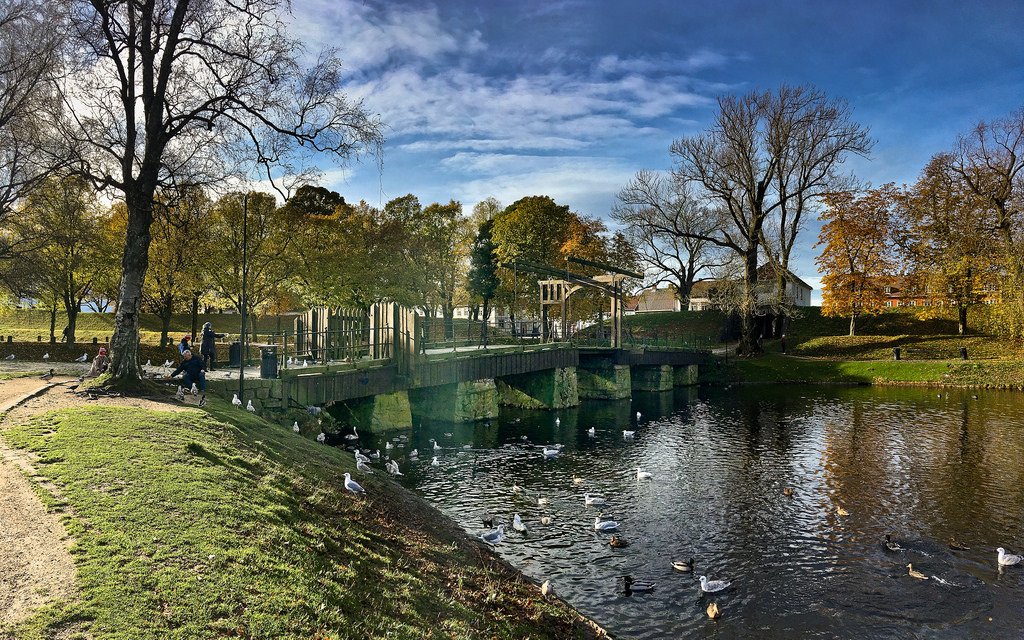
(173, 91)
(669, 229)
(30, 38)
(766, 154)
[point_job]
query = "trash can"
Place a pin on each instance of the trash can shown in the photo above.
(235, 354)
(963, 353)
(895, 353)
(268, 362)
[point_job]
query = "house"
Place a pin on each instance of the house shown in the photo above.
(653, 300)
(902, 291)
(709, 294)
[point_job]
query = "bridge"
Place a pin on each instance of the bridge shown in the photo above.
(394, 374)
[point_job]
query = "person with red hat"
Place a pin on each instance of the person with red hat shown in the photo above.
(185, 345)
(99, 363)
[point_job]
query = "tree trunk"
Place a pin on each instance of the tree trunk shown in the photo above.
(125, 368)
(483, 327)
(748, 306)
(853, 324)
(166, 307)
(195, 314)
(448, 312)
(71, 311)
(53, 322)
(961, 325)
(781, 303)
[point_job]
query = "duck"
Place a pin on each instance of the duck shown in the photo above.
(618, 543)
(494, 537)
(891, 545)
(605, 525)
(713, 611)
(841, 511)
(634, 586)
(914, 573)
(713, 586)
(517, 524)
(576, 480)
(685, 566)
(47, 376)
(643, 475)
(593, 501)
(1006, 559)
(958, 546)
(787, 491)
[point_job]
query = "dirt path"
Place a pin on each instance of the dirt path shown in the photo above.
(36, 567)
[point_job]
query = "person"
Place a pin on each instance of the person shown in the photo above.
(195, 373)
(184, 345)
(208, 345)
(99, 364)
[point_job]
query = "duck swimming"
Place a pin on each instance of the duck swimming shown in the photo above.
(685, 567)
(914, 573)
(890, 545)
(618, 543)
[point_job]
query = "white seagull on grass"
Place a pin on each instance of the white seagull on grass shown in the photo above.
(234, 399)
(352, 485)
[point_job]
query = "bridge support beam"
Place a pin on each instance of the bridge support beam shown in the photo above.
(458, 402)
(547, 389)
(653, 378)
(685, 375)
(604, 381)
(382, 412)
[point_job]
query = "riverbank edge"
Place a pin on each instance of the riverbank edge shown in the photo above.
(420, 515)
(772, 369)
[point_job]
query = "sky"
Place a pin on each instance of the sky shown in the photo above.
(570, 98)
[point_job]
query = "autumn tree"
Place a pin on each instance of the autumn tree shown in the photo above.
(857, 258)
(942, 233)
(161, 93)
(669, 228)
(443, 238)
(313, 216)
(765, 153)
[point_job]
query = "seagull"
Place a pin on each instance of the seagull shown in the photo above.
(638, 415)
(437, 447)
(388, 445)
(375, 455)
(393, 469)
(546, 589)
(516, 489)
(605, 525)
(558, 421)
(180, 395)
(250, 408)
(149, 363)
(361, 458)
(295, 427)
(354, 435)
(643, 475)
(234, 399)
(415, 453)
(363, 467)
(713, 586)
(11, 357)
(47, 376)
(577, 480)
(195, 389)
(82, 358)
(46, 356)
(551, 453)
(305, 363)
(434, 462)
(517, 524)
(352, 485)
(890, 545)
(683, 566)
(321, 437)
(168, 363)
(1006, 559)
(546, 520)
(913, 573)
(591, 432)
(494, 537)
(628, 435)
(593, 501)
(290, 361)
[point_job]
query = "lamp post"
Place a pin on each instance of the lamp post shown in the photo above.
(245, 301)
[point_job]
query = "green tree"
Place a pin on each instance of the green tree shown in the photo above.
(483, 271)
(320, 248)
(442, 240)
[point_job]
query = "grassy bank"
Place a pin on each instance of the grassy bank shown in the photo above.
(200, 524)
(776, 368)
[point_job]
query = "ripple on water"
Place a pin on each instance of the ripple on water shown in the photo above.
(902, 461)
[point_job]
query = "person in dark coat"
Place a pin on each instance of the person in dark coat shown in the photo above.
(195, 372)
(208, 346)
(185, 345)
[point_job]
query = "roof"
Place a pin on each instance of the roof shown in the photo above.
(655, 300)
(768, 270)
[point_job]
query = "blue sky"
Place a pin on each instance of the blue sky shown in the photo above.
(570, 98)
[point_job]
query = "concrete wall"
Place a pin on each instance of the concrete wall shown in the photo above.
(549, 389)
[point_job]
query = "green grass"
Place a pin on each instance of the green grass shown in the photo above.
(675, 328)
(218, 524)
(773, 368)
(28, 325)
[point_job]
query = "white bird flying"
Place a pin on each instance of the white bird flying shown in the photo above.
(1006, 559)
(250, 408)
(234, 399)
(713, 586)
(81, 358)
(605, 525)
(352, 485)
(295, 427)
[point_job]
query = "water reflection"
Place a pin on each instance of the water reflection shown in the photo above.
(926, 467)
